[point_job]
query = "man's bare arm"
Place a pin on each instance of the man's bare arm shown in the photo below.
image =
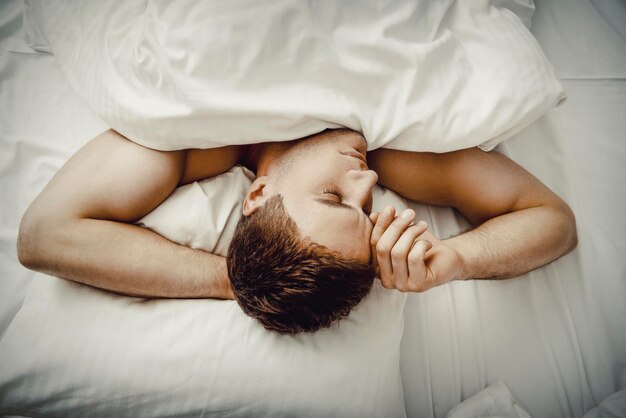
(520, 224)
(79, 227)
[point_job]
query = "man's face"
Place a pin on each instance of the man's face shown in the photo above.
(327, 190)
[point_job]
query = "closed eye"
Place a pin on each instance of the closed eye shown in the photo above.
(333, 192)
(339, 203)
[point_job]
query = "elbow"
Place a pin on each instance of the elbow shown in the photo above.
(29, 252)
(574, 236)
(26, 253)
(570, 235)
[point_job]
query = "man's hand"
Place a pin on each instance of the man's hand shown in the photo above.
(407, 256)
(519, 224)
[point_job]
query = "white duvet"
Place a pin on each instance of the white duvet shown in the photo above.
(416, 75)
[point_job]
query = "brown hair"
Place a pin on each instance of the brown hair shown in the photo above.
(288, 283)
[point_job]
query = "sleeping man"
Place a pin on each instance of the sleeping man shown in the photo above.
(307, 247)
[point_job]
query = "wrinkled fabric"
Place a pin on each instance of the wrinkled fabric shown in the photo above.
(414, 75)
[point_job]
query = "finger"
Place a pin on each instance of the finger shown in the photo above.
(395, 228)
(406, 241)
(400, 253)
(383, 220)
(418, 273)
(374, 218)
(386, 243)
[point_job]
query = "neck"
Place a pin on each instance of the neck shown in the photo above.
(260, 158)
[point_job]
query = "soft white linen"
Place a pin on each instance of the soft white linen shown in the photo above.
(613, 406)
(495, 401)
(203, 214)
(98, 354)
(583, 39)
(12, 34)
(415, 75)
(556, 337)
(75, 351)
(42, 123)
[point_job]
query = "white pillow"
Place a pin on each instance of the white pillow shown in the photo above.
(417, 75)
(73, 350)
(203, 215)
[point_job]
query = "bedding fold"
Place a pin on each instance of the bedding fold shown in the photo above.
(412, 75)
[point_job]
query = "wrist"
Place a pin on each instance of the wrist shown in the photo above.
(461, 271)
(228, 290)
(225, 290)
(216, 283)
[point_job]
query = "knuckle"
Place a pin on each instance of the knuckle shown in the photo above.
(417, 287)
(397, 253)
(415, 257)
(421, 288)
(382, 249)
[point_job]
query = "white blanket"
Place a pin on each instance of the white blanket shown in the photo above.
(414, 75)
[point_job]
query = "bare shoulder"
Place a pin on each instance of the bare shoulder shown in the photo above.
(109, 178)
(204, 163)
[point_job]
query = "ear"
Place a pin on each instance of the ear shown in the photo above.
(257, 195)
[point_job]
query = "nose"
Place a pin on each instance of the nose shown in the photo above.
(362, 182)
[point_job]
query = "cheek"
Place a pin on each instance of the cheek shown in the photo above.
(364, 254)
(357, 246)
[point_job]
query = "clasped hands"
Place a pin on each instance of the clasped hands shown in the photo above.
(407, 256)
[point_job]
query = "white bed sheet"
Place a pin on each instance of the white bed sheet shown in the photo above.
(556, 337)
(32, 148)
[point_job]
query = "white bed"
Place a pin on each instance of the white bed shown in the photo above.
(555, 337)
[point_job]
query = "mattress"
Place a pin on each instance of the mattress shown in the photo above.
(556, 337)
